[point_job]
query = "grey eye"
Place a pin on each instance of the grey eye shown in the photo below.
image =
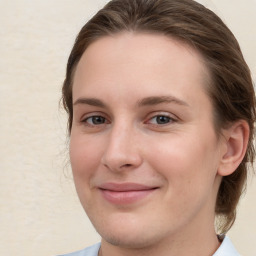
(96, 120)
(162, 119)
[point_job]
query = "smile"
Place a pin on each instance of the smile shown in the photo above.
(126, 193)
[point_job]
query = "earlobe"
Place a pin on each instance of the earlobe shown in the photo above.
(236, 141)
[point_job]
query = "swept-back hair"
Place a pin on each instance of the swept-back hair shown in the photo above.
(230, 90)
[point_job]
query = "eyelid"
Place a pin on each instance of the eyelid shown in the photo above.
(92, 114)
(85, 117)
(172, 117)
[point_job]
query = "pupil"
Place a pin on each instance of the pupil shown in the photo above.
(163, 119)
(98, 120)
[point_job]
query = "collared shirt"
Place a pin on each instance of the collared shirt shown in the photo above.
(226, 249)
(89, 251)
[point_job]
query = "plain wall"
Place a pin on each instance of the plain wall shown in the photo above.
(39, 210)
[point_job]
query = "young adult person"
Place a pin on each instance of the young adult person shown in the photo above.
(161, 113)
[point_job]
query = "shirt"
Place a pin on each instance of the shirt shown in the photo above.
(226, 249)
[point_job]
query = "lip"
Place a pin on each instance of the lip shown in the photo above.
(125, 193)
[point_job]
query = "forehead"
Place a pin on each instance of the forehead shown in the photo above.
(132, 59)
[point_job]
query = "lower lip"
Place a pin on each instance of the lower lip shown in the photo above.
(125, 197)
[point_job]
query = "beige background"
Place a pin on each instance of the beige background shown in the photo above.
(39, 211)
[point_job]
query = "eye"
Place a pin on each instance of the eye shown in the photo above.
(95, 120)
(161, 120)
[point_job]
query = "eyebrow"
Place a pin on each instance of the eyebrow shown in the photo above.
(155, 100)
(90, 101)
(148, 101)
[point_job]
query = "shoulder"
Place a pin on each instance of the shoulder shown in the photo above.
(89, 251)
(226, 248)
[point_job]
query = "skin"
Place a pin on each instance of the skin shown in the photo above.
(141, 115)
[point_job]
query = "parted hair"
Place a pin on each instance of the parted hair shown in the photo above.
(230, 89)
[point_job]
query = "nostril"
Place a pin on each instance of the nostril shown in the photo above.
(126, 165)
(120, 161)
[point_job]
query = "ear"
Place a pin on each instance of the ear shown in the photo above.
(236, 141)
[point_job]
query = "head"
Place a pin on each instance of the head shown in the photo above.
(229, 85)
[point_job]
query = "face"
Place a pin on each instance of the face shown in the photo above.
(143, 149)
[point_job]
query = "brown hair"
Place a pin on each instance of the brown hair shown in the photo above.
(231, 89)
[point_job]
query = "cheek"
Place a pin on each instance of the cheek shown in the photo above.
(84, 157)
(185, 162)
(189, 172)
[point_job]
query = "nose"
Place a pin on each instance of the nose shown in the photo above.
(122, 150)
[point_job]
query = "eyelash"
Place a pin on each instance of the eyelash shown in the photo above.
(166, 119)
(86, 120)
(99, 120)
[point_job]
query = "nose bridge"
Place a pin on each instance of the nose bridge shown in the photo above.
(119, 135)
(122, 149)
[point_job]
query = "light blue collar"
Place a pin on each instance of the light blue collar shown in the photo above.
(226, 249)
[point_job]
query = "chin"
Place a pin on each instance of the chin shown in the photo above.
(132, 240)
(129, 233)
(125, 242)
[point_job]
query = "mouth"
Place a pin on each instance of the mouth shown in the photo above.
(125, 193)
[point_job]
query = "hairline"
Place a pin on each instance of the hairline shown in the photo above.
(206, 71)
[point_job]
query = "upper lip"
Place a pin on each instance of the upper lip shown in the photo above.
(123, 187)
